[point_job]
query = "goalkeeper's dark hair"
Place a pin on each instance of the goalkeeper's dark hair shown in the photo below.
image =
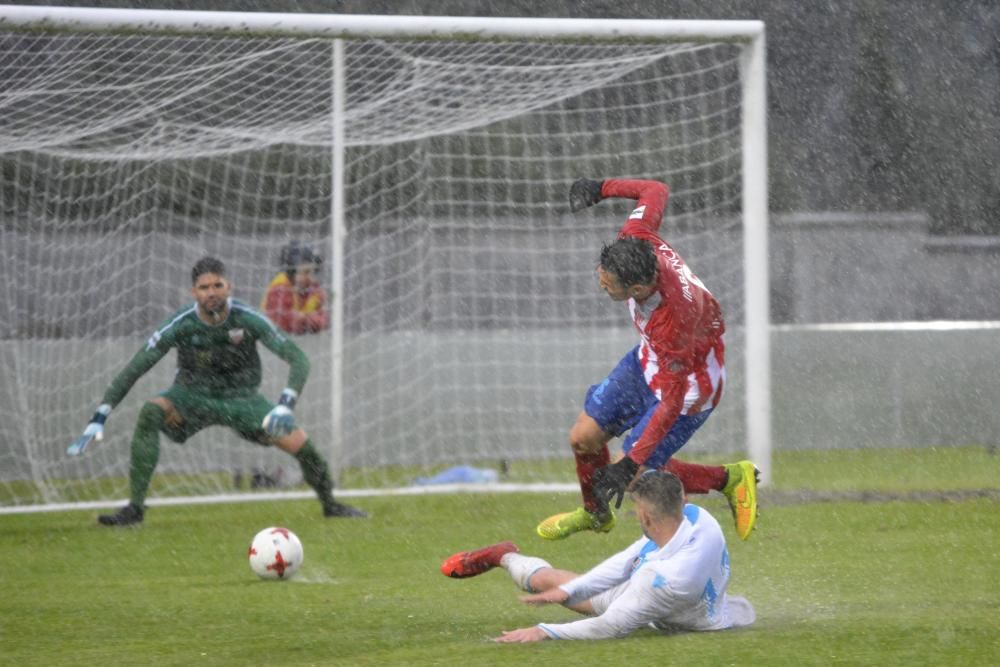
(632, 260)
(663, 490)
(207, 265)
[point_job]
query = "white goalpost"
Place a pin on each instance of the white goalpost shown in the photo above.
(428, 159)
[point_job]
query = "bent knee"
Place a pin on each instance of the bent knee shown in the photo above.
(291, 443)
(586, 436)
(152, 414)
(165, 411)
(586, 446)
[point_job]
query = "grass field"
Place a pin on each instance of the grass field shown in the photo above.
(887, 557)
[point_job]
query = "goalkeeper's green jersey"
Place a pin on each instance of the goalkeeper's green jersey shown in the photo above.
(220, 360)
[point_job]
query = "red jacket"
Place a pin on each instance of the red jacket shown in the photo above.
(295, 311)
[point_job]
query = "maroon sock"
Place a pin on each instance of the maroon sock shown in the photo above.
(586, 465)
(697, 478)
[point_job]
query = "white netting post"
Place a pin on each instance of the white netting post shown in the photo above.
(756, 265)
(338, 235)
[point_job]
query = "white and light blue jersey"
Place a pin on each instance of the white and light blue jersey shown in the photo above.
(679, 587)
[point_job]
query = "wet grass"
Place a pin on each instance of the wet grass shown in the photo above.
(889, 578)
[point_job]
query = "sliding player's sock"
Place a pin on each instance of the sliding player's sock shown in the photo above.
(522, 568)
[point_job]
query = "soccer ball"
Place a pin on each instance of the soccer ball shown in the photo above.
(275, 553)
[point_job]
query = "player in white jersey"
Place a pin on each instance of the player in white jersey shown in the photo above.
(674, 578)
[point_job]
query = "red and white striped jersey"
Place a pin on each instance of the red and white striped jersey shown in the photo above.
(681, 350)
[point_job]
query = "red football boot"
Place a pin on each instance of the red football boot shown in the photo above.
(470, 563)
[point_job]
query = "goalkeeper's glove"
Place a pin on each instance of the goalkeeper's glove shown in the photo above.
(612, 480)
(94, 431)
(280, 421)
(583, 193)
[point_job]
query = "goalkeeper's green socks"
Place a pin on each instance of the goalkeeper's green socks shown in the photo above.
(145, 452)
(316, 473)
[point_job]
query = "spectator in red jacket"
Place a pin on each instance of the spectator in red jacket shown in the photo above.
(295, 301)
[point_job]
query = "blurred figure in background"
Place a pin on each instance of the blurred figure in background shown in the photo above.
(295, 301)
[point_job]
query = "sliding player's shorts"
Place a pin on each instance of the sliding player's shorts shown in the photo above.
(624, 402)
(242, 414)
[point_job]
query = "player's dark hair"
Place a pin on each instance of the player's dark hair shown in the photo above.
(296, 253)
(663, 490)
(207, 265)
(631, 260)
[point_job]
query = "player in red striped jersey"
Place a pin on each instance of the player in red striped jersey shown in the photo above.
(662, 390)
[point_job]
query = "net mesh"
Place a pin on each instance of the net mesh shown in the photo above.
(472, 321)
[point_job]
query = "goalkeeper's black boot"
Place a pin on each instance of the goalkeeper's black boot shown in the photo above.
(130, 515)
(335, 509)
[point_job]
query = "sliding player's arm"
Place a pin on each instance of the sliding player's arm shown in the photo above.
(649, 597)
(154, 350)
(607, 574)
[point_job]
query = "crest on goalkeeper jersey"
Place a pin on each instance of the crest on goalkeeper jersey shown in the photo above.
(236, 336)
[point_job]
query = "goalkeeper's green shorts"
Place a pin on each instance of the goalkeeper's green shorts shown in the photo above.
(244, 414)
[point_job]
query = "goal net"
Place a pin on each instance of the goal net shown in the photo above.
(430, 171)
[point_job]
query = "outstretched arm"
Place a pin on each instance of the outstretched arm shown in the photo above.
(280, 421)
(650, 197)
(555, 595)
(522, 635)
(647, 598)
(138, 366)
(287, 350)
(144, 359)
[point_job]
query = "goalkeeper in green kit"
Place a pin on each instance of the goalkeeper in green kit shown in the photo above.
(217, 381)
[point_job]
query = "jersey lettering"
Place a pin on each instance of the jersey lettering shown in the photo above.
(684, 274)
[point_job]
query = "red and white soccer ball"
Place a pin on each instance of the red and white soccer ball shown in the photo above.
(275, 553)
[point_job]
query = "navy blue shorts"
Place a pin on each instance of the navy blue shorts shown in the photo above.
(624, 402)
